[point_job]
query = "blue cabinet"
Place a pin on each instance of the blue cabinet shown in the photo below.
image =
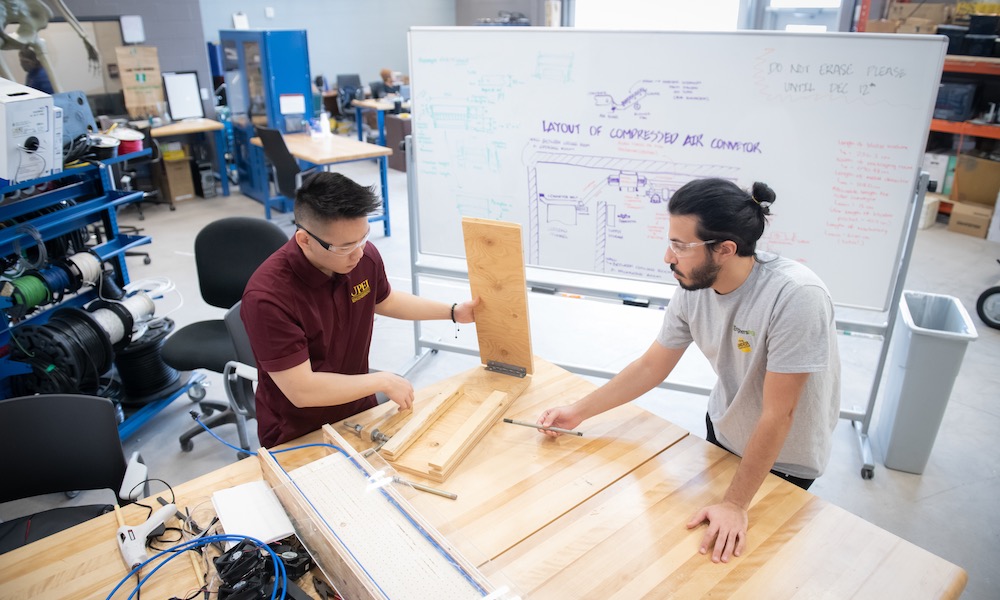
(267, 85)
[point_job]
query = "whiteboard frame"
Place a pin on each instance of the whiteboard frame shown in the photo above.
(633, 292)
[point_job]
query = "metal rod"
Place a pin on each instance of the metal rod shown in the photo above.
(425, 488)
(537, 426)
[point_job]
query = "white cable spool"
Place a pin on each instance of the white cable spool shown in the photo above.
(110, 323)
(140, 306)
(88, 265)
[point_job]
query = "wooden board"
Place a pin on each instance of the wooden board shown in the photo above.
(476, 386)
(495, 258)
(798, 545)
(515, 480)
(328, 149)
(462, 441)
(367, 539)
(423, 414)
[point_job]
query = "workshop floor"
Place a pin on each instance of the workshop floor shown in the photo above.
(950, 510)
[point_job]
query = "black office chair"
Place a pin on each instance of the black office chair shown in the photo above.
(349, 89)
(239, 376)
(226, 253)
(378, 89)
(62, 443)
(138, 175)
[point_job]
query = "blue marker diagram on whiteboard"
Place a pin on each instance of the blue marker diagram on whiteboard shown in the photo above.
(587, 213)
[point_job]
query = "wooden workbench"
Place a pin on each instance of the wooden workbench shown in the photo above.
(330, 149)
(593, 517)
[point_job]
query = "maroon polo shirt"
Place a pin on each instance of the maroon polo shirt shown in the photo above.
(294, 313)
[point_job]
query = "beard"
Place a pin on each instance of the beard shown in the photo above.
(700, 278)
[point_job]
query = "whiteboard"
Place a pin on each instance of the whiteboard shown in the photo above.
(582, 137)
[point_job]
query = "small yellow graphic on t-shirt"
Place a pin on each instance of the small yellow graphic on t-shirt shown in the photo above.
(743, 345)
(360, 291)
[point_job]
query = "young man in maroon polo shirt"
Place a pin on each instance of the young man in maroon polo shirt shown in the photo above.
(310, 308)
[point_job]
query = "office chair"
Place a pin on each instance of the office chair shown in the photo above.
(62, 443)
(287, 172)
(239, 376)
(226, 253)
(378, 89)
(349, 89)
(137, 175)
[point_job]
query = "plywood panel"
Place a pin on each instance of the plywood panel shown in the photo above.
(496, 276)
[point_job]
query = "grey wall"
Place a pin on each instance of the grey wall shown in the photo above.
(173, 26)
(345, 36)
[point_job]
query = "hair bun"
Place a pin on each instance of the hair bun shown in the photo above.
(763, 196)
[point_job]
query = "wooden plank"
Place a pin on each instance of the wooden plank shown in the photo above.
(345, 574)
(484, 417)
(495, 258)
(798, 545)
(423, 417)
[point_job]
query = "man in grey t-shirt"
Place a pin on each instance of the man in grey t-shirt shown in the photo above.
(765, 324)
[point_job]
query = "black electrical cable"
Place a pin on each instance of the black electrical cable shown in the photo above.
(141, 367)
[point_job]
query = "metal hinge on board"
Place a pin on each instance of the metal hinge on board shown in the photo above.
(499, 367)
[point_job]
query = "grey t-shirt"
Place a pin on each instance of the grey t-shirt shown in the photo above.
(781, 320)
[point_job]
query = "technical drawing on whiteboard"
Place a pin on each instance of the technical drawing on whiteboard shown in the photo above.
(609, 204)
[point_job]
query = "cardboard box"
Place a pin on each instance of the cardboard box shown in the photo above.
(935, 13)
(177, 184)
(881, 26)
(915, 25)
(970, 219)
(139, 72)
(977, 180)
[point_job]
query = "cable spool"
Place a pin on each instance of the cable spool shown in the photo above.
(119, 318)
(58, 279)
(68, 354)
(29, 291)
(112, 324)
(87, 266)
(143, 373)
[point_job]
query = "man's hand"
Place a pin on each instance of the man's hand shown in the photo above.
(561, 416)
(397, 389)
(727, 525)
(466, 311)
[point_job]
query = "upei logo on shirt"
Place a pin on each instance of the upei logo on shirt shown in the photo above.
(742, 344)
(360, 291)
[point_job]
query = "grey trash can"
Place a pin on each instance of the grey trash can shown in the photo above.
(931, 335)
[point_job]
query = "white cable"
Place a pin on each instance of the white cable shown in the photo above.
(157, 288)
(140, 306)
(88, 265)
(111, 323)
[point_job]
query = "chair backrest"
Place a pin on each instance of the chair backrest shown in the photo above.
(284, 163)
(241, 390)
(228, 251)
(352, 80)
(58, 443)
(378, 89)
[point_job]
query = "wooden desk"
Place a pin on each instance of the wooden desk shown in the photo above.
(194, 126)
(334, 149)
(381, 106)
(599, 516)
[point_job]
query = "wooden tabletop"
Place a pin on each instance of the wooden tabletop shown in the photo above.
(329, 149)
(384, 104)
(186, 126)
(593, 517)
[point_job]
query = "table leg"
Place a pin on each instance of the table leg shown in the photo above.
(220, 159)
(358, 116)
(384, 174)
(381, 128)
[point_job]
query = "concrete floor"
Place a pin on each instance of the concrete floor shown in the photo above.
(947, 510)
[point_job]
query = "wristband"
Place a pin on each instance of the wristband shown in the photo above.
(453, 312)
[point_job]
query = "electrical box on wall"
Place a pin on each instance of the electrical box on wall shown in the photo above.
(28, 121)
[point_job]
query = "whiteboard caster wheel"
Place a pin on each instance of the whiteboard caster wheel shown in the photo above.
(867, 472)
(187, 445)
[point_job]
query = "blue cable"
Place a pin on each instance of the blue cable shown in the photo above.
(279, 567)
(385, 494)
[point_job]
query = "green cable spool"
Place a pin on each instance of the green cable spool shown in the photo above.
(30, 291)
